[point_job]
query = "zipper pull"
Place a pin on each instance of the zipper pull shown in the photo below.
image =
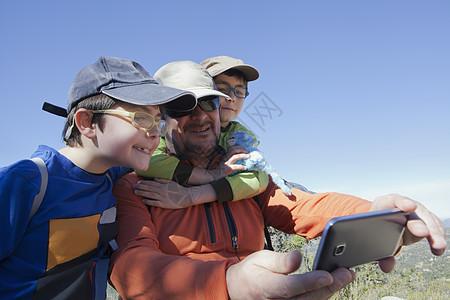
(234, 242)
(235, 245)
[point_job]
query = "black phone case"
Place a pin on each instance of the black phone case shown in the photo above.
(353, 240)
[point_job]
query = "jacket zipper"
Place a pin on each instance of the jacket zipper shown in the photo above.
(230, 222)
(231, 227)
(209, 220)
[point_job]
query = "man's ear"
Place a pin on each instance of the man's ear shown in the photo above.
(83, 121)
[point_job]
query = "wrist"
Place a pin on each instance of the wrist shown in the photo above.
(202, 194)
(201, 176)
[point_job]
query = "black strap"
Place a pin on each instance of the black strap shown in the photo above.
(268, 240)
(268, 245)
(53, 109)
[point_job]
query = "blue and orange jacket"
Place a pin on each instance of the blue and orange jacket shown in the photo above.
(64, 249)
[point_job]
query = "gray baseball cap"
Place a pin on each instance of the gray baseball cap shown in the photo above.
(190, 76)
(123, 80)
(218, 64)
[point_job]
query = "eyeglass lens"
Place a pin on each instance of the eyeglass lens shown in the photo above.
(139, 119)
(143, 120)
(239, 91)
(207, 104)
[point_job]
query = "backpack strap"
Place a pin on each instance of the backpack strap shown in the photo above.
(44, 180)
(268, 244)
(266, 231)
(268, 239)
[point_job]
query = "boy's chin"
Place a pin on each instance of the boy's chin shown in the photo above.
(227, 117)
(141, 165)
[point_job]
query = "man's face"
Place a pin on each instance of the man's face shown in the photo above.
(194, 136)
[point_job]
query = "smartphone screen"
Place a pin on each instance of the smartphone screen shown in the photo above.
(352, 240)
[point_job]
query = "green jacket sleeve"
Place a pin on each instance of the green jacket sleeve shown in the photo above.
(167, 167)
(232, 188)
(246, 184)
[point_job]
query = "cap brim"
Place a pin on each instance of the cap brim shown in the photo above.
(153, 94)
(200, 93)
(250, 72)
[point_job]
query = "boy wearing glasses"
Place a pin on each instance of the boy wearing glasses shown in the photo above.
(231, 77)
(62, 250)
(211, 185)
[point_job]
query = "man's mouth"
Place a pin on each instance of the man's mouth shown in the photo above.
(200, 129)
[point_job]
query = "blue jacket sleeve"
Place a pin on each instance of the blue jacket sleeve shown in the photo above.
(19, 183)
(117, 172)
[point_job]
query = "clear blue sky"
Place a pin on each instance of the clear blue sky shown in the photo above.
(353, 95)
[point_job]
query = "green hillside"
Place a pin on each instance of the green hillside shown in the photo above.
(418, 274)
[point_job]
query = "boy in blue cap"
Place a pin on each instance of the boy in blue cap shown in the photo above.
(62, 251)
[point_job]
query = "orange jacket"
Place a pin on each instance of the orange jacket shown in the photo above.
(184, 253)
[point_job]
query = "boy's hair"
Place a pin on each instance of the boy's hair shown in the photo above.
(96, 102)
(236, 73)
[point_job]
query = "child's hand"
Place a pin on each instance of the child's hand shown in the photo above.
(234, 150)
(229, 165)
(220, 169)
(163, 193)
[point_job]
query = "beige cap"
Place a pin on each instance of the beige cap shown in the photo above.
(218, 64)
(190, 76)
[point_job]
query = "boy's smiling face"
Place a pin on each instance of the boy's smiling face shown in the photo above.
(122, 144)
(230, 108)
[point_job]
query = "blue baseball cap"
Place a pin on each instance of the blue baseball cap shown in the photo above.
(123, 80)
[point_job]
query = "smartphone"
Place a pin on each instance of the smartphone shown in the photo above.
(353, 240)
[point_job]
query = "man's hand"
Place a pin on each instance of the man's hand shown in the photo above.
(264, 275)
(422, 224)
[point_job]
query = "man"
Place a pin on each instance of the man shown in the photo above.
(214, 250)
(226, 188)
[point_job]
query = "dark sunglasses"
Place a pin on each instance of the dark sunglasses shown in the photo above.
(207, 104)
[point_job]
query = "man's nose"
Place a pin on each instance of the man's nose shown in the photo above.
(197, 114)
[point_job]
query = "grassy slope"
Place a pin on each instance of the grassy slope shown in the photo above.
(418, 274)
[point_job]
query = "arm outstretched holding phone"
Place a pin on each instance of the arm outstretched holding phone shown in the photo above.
(421, 224)
(263, 274)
